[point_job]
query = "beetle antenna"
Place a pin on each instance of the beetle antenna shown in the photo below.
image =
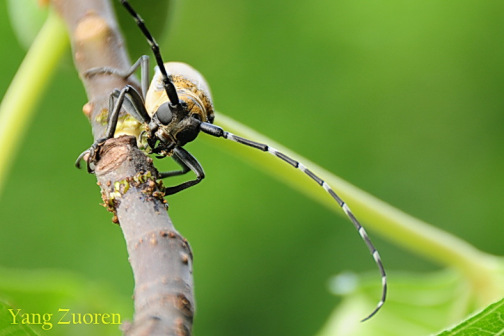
(167, 83)
(219, 132)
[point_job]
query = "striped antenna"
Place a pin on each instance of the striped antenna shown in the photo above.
(171, 92)
(219, 132)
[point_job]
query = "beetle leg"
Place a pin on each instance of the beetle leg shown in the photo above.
(134, 106)
(142, 62)
(187, 162)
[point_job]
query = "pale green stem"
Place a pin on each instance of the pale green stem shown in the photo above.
(393, 224)
(20, 100)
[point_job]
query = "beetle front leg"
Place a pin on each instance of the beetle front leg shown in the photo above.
(92, 155)
(93, 152)
(187, 162)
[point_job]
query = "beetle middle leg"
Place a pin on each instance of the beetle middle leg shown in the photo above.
(142, 62)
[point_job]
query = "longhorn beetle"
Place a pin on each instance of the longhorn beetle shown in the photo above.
(172, 111)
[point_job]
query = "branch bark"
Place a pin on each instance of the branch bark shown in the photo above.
(160, 257)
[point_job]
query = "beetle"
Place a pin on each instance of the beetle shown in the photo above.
(171, 112)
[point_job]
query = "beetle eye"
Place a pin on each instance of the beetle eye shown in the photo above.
(164, 114)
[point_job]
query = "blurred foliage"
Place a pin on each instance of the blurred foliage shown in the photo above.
(419, 304)
(401, 98)
(6, 326)
(52, 296)
(29, 19)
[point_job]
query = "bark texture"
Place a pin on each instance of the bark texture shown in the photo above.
(160, 257)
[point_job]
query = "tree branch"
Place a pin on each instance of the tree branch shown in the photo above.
(160, 257)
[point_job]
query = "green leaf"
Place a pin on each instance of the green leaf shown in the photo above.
(8, 328)
(420, 304)
(490, 321)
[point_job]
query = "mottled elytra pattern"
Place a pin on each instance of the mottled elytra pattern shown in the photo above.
(219, 132)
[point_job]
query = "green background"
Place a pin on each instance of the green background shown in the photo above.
(401, 98)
